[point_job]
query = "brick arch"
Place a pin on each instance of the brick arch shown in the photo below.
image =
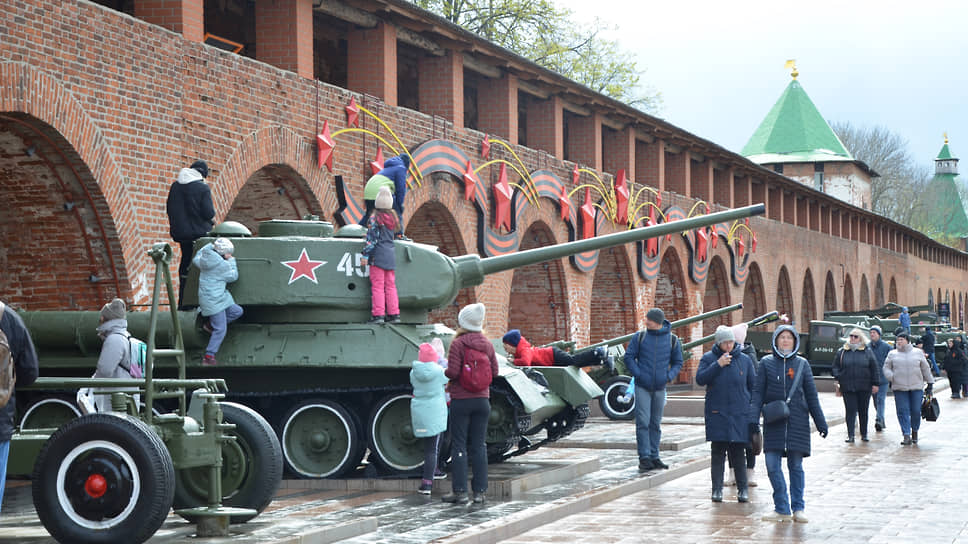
(60, 122)
(268, 146)
(716, 296)
(879, 292)
(848, 305)
(865, 294)
(275, 191)
(808, 301)
(432, 223)
(670, 287)
(538, 303)
(829, 293)
(784, 294)
(613, 296)
(754, 296)
(892, 290)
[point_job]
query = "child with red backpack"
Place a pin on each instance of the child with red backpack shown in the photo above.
(471, 365)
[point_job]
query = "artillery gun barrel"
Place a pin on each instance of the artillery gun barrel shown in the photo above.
(675, 324)
(761, 320)
(472, 268)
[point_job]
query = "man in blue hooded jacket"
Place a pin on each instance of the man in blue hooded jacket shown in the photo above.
(394, 176)
(654, 357)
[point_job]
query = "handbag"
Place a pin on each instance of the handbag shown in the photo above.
(778, 410)
(930, 409)
(756, 443)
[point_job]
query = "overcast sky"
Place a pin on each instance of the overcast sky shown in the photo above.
(719, 65)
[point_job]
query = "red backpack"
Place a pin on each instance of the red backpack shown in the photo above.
(475, 374)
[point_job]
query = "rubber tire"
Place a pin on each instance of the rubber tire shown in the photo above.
(357, 446)
(263, 469)
(375, 456)
(122, 433)
(614, 388)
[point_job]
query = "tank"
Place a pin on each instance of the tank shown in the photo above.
(331, 385)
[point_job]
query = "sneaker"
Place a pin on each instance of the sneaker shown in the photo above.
(440, 475)
(425, 488)
(743, 495)
(657, 463)
(455, 498)
(646, 465)
(479, 498)
(800, 517)
(209, 360)
(393, 318)
(778, 517)
(376, 319)
(751, 477)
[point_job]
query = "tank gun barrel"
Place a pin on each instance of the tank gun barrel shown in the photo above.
(675, 324)
(472, 268)
(761, 320)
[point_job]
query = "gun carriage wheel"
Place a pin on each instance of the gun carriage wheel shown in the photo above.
(611, 403)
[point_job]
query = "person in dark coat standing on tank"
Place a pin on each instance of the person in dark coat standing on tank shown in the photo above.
(26, 370)
(858, 375)
(654, 358)
(788, 437)
(728, 376)
(469, 410)
(190, 215)
(880, 350)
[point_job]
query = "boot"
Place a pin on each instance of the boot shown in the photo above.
(393, 318)
(914, 437)
(717, 495)
(455, 498)
(376, 319)
(906, 441)
(743, 495)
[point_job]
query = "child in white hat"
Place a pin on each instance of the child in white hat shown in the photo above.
(379, 253)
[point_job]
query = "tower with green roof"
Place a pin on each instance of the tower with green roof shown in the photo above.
(946, 219)
(796, 141)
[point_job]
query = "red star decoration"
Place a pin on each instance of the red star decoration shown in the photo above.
(702, 242)
(587, 216)
(740, 247)
(574, 175)
(564, 203)
(502, 200)
(324, 146)
(353, 113)
(485, 147)
(715, 236)
(377, 164)
(753, 245)
(303, 267)
(470, 182)
(652, 244)
(621, 198)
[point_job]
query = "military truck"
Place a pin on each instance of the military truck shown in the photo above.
(818, 344)
(332, 385)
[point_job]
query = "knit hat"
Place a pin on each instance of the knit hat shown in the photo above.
(512, 337)
(427, 353)
(384, 199)
(724, 334)
(739, 332)
(113, 310)
(656, 315)
(471, 317)
(201, 167)
(223, 246)
(878, 329)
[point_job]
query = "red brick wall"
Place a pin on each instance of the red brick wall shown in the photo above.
(185, 17)
(545, 125)
(498, 103)
(676, 165)
(585, 140)
(372, 67)
(539, 299)
(441, 86)
(284, 34)
(613, 302)
(717, 296)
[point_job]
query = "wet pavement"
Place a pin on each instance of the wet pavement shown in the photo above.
(588, 487)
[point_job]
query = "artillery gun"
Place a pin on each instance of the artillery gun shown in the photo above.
(331, 385)
(114, 477)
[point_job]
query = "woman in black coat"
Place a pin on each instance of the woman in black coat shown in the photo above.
(954, 366)
(855, 370)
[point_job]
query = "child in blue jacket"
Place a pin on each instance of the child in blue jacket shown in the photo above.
(428, 409)
(217, 266)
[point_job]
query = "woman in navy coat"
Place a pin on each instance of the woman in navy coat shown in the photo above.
(789, 437)
(728, 375)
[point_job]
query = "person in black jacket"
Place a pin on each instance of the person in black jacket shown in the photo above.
(190, 215)
(954, 365)
(856, 371)
(26, 368)
(928, 339)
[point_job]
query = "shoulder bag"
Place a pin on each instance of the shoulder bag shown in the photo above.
(778, 410)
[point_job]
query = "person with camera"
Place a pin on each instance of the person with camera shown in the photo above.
(728, 376)
(785, 394)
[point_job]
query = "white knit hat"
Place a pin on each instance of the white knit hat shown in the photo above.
(384, 198)
(471, 317)
(223, 246)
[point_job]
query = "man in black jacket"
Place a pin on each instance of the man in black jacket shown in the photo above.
(190, 215)
(25, 366)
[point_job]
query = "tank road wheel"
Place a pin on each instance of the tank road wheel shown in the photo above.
(49, 413)
(320, 440)
(103, 479)
(610, 402)
(251, 467)
(390, 435)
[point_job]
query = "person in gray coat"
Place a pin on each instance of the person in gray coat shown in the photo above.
(115, 351)
(788, 437)
(908, 370)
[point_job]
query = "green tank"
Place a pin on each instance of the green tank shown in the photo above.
(331, 385)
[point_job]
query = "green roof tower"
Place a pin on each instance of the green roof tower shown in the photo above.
(947, 217)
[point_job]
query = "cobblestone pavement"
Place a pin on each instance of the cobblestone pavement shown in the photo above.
(854, 494)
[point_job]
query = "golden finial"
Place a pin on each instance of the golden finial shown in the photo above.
(946, 137)
(792, 65)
